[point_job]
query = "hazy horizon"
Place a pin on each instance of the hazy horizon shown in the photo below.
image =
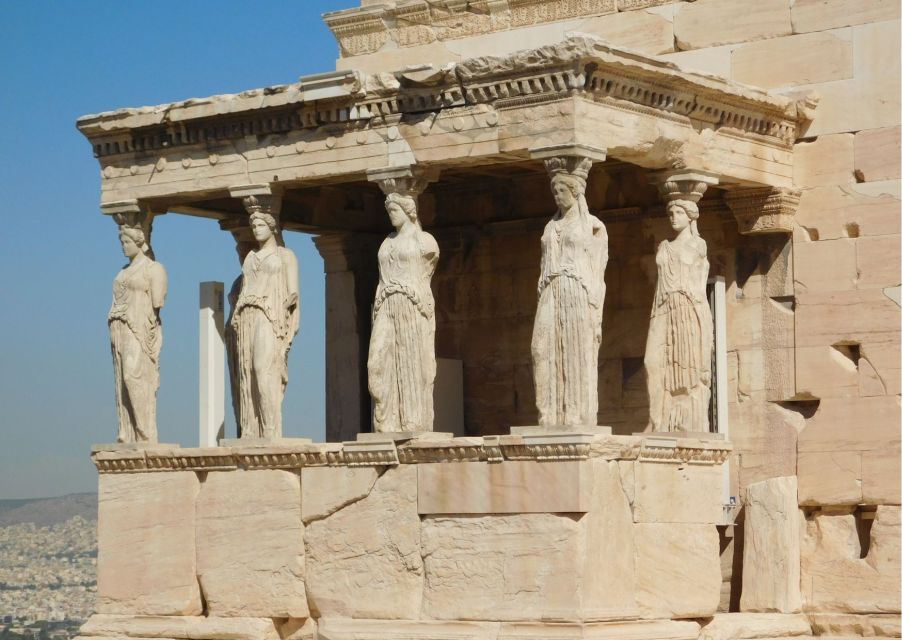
(59, 254)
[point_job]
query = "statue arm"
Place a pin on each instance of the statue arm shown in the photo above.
(290, 264)
(703, 271)
(429, 249)
(159, 283)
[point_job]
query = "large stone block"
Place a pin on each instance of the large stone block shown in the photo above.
(678, 493)
(825, 160)
(818, 15)
(769, 626)
(364, 560)
(842, 212)
(846, 317)
(852, 424)
(879, 370)
(880, 473)
(250, 553)
(677, 570)
(716, 60)
(877, 154)
(829, 477)
(644, 31)
(512, 487)
(839, 575)
(879, 262)
(707, 23)
(180, 627)
(825, 372)
(794, 60)
(534, 566)
(771, 551)
(325, 490)
(825, 265)
(145, 537)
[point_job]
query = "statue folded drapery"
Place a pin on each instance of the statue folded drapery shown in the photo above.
(136, 337)
(567, 331)
(401, 362)
(681, 331)
(264, 321)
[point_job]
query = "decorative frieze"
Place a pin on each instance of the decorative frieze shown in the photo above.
(386, 453)
(581, 65)
(764, 210)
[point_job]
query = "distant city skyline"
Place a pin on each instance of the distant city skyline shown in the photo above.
(59, 254)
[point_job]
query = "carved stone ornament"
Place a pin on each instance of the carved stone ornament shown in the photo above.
(681, 330)
(765, 210)
(567, 331)
(136, 335)
(401, 362)
(264, 318)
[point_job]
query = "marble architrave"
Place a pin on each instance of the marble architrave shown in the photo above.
(401, 363)
(567, 331)
(136, 336)
(681, 331)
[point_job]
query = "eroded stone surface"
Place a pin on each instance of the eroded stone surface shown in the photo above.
(739, 626)
(364, 561)
(180, 627)
(145, 540)
(838, 575)
(250, 554)
(771, 551)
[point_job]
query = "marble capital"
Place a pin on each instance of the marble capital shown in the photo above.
(407, 180)
(258, 197)
(683, 184)
(763, 210)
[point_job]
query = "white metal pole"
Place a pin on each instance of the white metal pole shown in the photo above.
(212, 365)
(720, 367)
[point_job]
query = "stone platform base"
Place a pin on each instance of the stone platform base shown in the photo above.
(725, 626)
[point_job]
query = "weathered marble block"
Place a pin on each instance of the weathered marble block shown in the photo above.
(364, 561)
(250, 544)
(145, 540)
(540, 565)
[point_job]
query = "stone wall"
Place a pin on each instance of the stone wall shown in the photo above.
(434, 539)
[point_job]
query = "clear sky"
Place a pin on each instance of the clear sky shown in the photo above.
(59, 254)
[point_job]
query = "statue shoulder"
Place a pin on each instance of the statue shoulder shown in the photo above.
(702, 246)
(287, 257)
(428, 243)
(156, 270)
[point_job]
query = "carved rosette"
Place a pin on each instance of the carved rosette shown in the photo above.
(766, 210)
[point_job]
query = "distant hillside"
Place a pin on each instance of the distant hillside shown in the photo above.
(44, 512)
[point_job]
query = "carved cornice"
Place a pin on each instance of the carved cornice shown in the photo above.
(347, 101)
(383, 453)
(763, 210)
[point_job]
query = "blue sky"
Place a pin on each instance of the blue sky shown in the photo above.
(58, 254)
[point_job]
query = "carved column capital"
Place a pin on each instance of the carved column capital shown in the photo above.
(763, 210)
(407, 180)
(133, 214)
(682, 184)
(570, 159)
(259, 197)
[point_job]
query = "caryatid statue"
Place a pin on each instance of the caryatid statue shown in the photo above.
(136, 335)
(567, 332)
(244, 244)
(681, 330)
(264, 320)
(401, 362)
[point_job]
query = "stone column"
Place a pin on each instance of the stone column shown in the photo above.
(266, 317)
(136, 338)
(401, 363)
(567, 332)
(349, 261)
(244, 242)
(681, 331)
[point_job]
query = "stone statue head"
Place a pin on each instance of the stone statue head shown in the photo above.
(678, 208)
(133, 236)
(406, 204)
(271, 223)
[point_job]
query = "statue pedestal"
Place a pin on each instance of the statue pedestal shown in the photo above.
(589, 430)
(263, 442)
(403, 436)
(132, 446)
